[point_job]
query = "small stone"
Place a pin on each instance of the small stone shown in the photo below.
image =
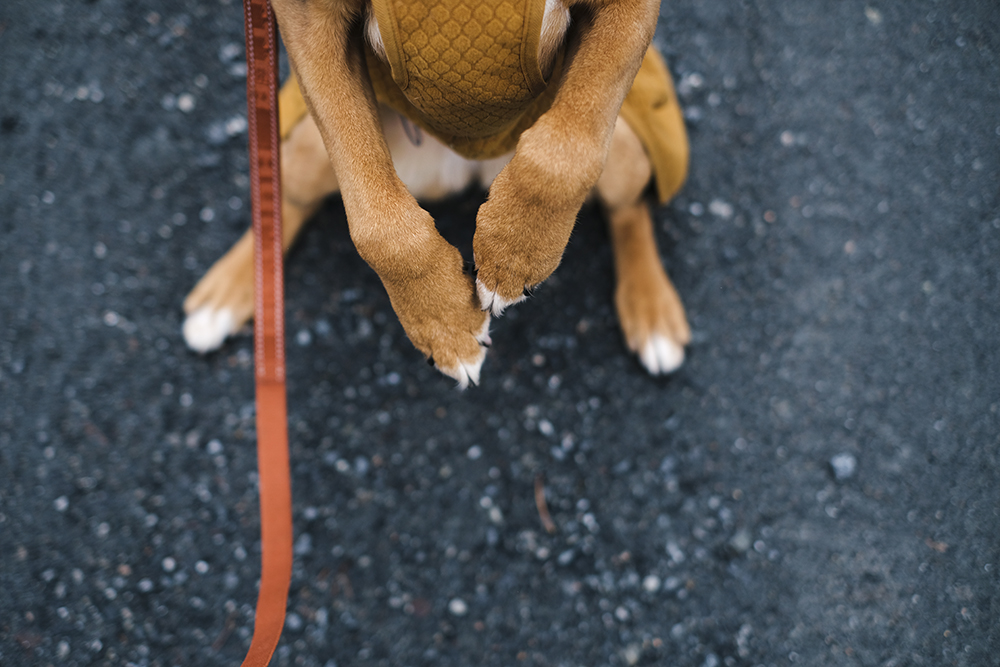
(236, 125)
(169, 564)
(230, 51)
(303, 545)
(474, 452)
(844, 466)
(651, 583)
(740, 541)
(721, 208)
(61, 504)
(458, 607)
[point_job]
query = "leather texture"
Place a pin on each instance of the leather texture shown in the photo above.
(269, 343)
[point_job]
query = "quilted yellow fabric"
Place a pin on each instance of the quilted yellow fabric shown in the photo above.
(650, 108)
(652, 111)
(469, 67)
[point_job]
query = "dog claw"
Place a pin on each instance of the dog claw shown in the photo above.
(493, 302)
(467, 371)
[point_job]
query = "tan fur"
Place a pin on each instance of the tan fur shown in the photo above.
(524, 226)
(647, 303)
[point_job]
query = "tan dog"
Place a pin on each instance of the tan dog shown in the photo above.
(356, 61)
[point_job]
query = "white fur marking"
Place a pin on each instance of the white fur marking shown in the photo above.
(468, 371)
(555, 23)
(206, 328)
(374, 35)
(661, 355)
(493, 302)
(484, 333)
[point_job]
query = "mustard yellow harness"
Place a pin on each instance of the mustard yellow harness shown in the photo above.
(467, 72)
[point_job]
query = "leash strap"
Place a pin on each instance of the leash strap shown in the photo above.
(269, 344)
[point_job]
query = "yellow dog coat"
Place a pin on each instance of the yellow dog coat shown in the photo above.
(468, 73)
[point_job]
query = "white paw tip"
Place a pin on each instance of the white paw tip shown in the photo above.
(661, 355)
(484, 334)
(206, 328)
(467, 371)
(493, 302)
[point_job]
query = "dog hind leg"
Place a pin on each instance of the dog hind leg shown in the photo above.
(222, 301)
(650, 312)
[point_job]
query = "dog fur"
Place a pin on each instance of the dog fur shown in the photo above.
(351, 145)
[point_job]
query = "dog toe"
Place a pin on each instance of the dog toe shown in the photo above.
(464, 371)
(660, 355)
(493, 302)
(206, 328)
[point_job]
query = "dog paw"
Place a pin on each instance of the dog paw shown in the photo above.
(435, 301)
(207, 328)
(653, 322)
(465, 368)
(222, 301)
(660, 355)
(494, 303)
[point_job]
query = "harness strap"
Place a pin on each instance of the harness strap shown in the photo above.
(269, 344)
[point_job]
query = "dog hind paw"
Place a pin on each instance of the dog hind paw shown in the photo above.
(660, 355)
(206, 328)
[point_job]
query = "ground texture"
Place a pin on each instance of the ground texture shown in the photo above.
(818, 485)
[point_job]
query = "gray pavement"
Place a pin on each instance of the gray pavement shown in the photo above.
(818, 485)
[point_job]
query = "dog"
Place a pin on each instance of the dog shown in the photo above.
(542, 102)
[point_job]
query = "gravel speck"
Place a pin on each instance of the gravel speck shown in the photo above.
(741, 541)
(844, 466)
(458, 607)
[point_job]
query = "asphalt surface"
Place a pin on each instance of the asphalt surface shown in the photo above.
(818, 485)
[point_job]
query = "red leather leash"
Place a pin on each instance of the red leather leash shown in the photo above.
(269, 342)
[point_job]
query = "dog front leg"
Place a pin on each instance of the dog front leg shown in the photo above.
(522, 230)
(422, 273)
